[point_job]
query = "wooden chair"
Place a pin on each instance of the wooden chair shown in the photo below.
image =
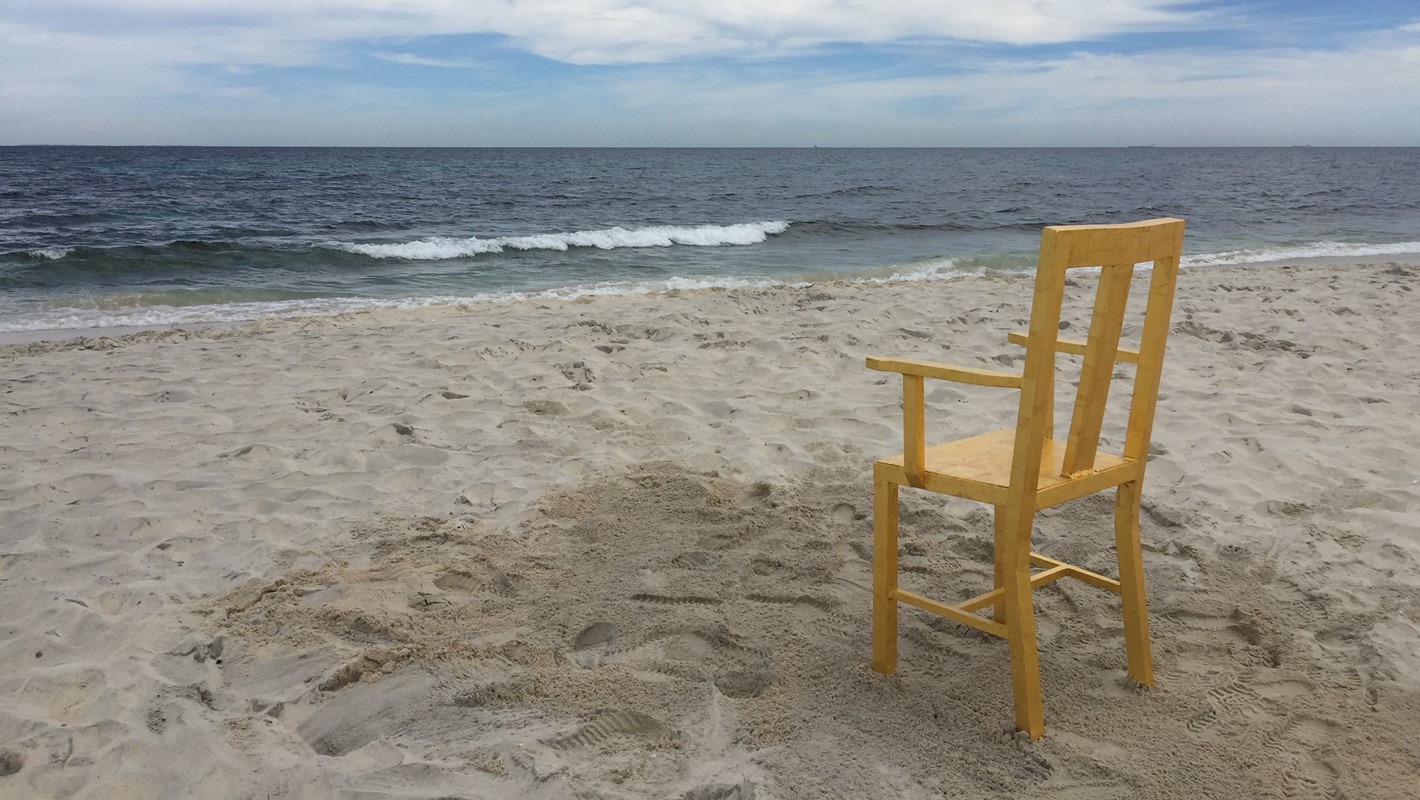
(1023, 470)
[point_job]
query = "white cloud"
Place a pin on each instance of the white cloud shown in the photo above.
(1181, 97)
(611, 31)
(421, 61)
(102, 71)
(104, 50)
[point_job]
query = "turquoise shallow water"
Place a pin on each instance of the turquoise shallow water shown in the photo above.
(96, 237)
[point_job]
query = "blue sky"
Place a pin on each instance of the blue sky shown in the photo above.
(734, 73)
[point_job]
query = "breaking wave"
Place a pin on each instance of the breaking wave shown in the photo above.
(441, 247)
(51, 253)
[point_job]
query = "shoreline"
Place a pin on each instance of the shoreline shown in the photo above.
(615, 546)
(575, 293)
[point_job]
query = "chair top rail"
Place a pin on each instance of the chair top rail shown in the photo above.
(1102, 245)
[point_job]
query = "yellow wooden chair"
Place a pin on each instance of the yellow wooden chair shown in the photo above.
(1023, 470)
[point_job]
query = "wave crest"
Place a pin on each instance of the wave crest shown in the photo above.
(441, 247)
(51, 253)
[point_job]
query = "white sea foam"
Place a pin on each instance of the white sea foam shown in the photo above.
(441, 247)
(1311, 250)
(929, 270)
(53, 253)
(79, 319)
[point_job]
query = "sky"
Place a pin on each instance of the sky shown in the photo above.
(681, 73)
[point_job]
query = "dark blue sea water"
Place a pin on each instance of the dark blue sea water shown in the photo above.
(100, 236)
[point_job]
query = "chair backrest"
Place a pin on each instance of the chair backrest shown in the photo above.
(1116, 250)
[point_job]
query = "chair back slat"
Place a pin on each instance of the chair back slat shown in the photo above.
(1035, 415)
(1157, 312)
(1097, 368)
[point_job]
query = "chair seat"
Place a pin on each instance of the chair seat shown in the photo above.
(979, 468)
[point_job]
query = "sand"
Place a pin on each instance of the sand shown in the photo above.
(618, 548)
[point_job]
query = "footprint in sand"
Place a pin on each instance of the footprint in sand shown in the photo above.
(721, 791)
(593, 635)
(577, 372)
(821, 603)
(741, 683)
(667, 600)
(608, 725)
(1311, 780)
(458, 581)
(10, 763)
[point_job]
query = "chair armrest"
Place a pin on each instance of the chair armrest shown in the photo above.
(944, 372)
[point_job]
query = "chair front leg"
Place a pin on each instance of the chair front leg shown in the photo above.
(1020, 627)
(884, 574)
(1131, 583)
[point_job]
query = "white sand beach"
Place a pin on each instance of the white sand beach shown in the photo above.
(618, 548)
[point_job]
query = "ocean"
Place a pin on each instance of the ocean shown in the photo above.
(98, 237)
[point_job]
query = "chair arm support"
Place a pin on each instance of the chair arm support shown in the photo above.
(944, 372)
(913, 373)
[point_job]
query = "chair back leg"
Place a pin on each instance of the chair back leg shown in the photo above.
(1131, 583)
(884, 575)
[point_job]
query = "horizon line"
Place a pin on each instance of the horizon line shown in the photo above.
(725, 147)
